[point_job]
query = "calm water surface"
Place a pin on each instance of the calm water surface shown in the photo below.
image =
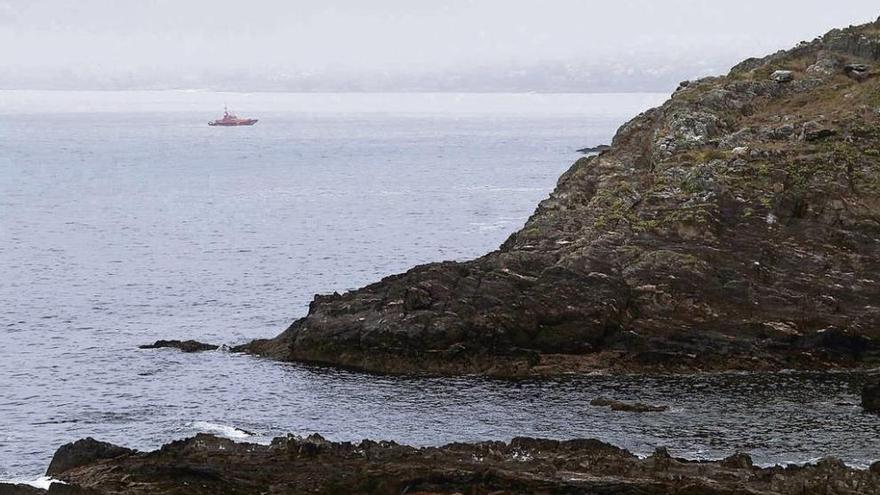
(125, 219)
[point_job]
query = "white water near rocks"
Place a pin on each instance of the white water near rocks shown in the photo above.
(124, 219)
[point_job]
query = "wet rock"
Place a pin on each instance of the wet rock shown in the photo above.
(616, 405)
(183, 345)
(210, 465)
(871, 397)
(83, 452)
(838, 341)
(740, 460)
(64, 489)
(13, 489)
(782, 76)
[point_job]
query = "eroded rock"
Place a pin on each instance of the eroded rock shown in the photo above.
(207, 464)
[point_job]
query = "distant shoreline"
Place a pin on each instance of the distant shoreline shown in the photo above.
(194, 101)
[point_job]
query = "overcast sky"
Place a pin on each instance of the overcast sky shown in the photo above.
(285, 44)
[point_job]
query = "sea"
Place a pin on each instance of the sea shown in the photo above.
(125, 218)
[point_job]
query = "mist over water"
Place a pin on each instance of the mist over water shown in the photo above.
(124, 219)
(393, 45)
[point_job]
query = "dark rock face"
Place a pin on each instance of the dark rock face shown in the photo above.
(871, 397)
(10, 489)
(83, 452)
(209, 465)
(734, 227)
(183, 345)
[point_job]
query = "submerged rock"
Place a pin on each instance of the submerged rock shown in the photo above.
(183, 345)
(669, 252)
(617, 405)
(207, 464)
(871, 397)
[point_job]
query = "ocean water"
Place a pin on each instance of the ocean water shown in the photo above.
(124, 219)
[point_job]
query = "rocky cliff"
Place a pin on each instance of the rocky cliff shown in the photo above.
(737, 226)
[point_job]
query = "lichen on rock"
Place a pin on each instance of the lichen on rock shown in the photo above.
(740, 206)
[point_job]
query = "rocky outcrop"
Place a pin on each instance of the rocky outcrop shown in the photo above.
(782, 76)
(210, 465)
(17, 489)
(617, 405)
(871, 396)
(734, 227)
(83, 452)
(182, 345)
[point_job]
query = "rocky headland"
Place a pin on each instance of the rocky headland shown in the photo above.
(735, 227)
(210, 465)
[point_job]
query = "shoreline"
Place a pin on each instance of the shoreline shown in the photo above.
(527, 365)
(206, 463)
(194, 346)
(683, 410)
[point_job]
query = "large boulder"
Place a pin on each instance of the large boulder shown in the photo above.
(782, 76)
(82, 452)
(871, 396)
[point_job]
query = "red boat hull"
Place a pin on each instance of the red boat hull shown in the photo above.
(233, 123)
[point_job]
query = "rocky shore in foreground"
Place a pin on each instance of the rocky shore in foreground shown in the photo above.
(735, 227)
(207, 464)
